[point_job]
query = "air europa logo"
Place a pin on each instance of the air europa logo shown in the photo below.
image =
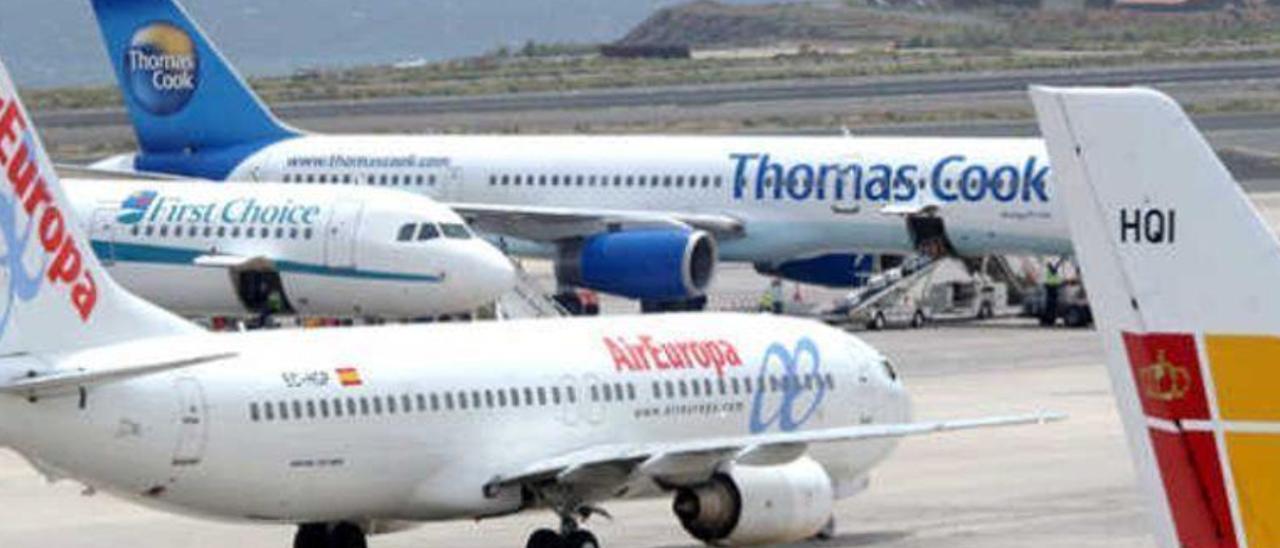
(161, 67)
(793, 403)
(648, 355)
(27, 209)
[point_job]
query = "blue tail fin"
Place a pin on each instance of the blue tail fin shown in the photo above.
(193, 114)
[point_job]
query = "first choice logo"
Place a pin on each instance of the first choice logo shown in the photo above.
(161, 68)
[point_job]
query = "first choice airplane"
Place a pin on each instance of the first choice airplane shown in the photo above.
(1181, 271)
(242, 249)
(646, 217)
(754, 425)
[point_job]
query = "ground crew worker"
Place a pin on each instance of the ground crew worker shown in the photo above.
(1052, 289)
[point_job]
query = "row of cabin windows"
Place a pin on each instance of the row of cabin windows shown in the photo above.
(541, 396)
(738, 386)
(666, 181)
(461, 400)
(180, 231)
(427, 231)
(348, 179)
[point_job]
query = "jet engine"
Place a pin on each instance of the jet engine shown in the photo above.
(758, 504)
(649, 265)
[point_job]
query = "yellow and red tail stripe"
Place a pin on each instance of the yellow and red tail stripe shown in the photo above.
(1185, 430)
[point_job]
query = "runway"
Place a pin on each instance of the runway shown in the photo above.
(749, 92)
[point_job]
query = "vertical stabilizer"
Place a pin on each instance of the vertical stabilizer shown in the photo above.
(1181, 273)
(57, 296)
(192, 112)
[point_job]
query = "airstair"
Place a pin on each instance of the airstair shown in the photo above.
(913, 273)
(1021, 279)
(527, 300)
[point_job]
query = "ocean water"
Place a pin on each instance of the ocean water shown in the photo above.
(56, 43)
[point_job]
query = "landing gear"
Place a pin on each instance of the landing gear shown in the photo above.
(546, 538)
(330, 535)
(695, 304)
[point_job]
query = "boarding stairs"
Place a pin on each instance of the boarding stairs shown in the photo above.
(890, 283)
(1020, 278)
(527, 300)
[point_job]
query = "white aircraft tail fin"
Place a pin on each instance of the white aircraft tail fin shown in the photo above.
(54, 295)
(1182, 274)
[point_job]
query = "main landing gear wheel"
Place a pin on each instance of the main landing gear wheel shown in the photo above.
(581, 539)
(545, 538)
(325, 535)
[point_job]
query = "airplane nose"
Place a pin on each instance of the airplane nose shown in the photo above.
(493, 273)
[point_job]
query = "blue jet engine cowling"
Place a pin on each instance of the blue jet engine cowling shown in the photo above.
(649, 264)
(839, 270)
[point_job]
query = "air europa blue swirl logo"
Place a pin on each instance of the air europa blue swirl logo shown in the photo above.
(161, 68)
(781, 399)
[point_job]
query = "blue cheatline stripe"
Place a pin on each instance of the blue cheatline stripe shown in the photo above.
(151, 254)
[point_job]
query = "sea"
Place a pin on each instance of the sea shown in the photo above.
(56, 43)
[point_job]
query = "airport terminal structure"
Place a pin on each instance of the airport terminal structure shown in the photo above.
(991, 275)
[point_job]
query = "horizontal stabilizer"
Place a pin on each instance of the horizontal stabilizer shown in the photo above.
(36, 383)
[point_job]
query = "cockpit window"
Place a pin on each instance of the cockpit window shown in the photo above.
(406, 232)
(428, 231)
(456, 231)
(889, 371)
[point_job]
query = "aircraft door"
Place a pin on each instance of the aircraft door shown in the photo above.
(103, 232)
(192, 418)
(340, 237)
(592, 408)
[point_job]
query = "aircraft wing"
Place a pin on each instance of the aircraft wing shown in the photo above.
(41, 382)
(548, 224)
(612, 465)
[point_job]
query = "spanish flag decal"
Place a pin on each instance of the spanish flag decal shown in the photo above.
(349, 376)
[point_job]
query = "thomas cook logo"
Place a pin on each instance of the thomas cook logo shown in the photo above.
(1164, 381)
(782, 400)
(136, 206)
(161, 68)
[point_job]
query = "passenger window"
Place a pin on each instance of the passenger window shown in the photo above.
(502, 398)
(222, 232)
(706, 386)
(719, 180)
(475, 399)
(293, 233)
(337, 407)
(164, 230)
(268, 411)
(364, 406)
(235, 232)
(253, 412)
(311, 178)
(736, 387)
(831, 381)
(595, 393)
(555, 395)
(377, 406)
(456, 231)
(135, 230)
(435, 401)
(488, 399)
(432, 180)
(346, 179)
(631, 392)
(528, 396)
(422, 403)
(420, 180)
(308, 233)
(608, 393)
(284, 410)
(515, 397)
(696, 389)
(248, 232)
(671, 390)
(724, 386)
(324, 409)
(746, 385)
(279, 233)
(427, 231)
(297, 409)
(462, 400)
(448, 400)
(542, 396)
(657, 390)
(351, 407)
(684, 389)
(391, 405)
(208, 231)
(571, 394)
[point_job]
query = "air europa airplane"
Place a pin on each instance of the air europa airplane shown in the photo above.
(243, 249)
(645, 217)
(754, 425)
(1181, 271)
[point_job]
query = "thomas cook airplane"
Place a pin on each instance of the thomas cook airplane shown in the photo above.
(244, 249)
(1182, 273)
(645, 217)
(754, 425)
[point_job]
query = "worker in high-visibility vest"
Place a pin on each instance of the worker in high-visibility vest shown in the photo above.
(1052, 291)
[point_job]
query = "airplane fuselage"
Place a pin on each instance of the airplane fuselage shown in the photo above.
(796, 196)
(411, 423)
